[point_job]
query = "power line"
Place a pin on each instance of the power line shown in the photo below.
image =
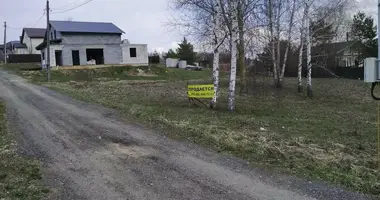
(18, 28)
(75, 7)
(65, 6)
(39, 19)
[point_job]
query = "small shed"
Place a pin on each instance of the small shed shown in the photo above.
(171, 62)
(182, 64)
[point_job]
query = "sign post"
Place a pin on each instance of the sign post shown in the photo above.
(197, 91)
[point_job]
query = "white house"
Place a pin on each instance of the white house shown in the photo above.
(135, 54)
(76, 43)
(32, 37)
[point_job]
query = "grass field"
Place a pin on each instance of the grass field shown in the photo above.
(331, 137)
(109, 73)
(19, 176)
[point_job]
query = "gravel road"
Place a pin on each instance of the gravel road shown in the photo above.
(89, 152)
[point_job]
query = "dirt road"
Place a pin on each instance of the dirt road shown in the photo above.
(89, 152)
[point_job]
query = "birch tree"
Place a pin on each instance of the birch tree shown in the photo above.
(231, 19)
(289, 35)
(203, 18)
(308, 42)
(330, 15)
(246, 10)
(218, 40)
(279, 17)
(300, 55)
(300, 61)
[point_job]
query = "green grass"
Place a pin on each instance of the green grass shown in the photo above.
(19, 176)
(331, 137)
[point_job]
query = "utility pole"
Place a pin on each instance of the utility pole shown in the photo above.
(5, 42)
(48, 40)
(378, 29)
(378, 72)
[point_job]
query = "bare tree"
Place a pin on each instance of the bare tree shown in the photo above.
(279, 19)
(289, 35)
(330, 14)
(308, 42)
(230, 15)
(246, 10)
(302, 39)
(217, 41)
(241, 44)
(204, 20)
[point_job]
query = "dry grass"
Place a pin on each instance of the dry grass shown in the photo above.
(330, 137)
(19, 176)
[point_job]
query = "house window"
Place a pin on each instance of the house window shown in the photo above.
(132, 52)
(51, 35)
(55, 34)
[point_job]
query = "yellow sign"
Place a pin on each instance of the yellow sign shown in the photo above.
(204, 91)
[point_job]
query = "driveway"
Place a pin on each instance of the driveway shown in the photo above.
(89, 152)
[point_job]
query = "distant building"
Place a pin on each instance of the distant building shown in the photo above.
(339, 54)
(80, 43)
(13, 47)
(32, 37)
(76, 43)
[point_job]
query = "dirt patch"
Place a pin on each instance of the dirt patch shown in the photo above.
(131, 151)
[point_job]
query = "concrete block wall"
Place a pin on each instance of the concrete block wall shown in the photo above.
(110, 43)
(113, 54)
(141, 54)
(53, 48)
(90, 39)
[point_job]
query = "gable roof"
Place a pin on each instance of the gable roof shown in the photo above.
(35, 32)
(19, 45)
(32, 33)
(85, 27)
(13, 44)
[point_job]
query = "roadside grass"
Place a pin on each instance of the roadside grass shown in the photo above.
(153, 72)
(19, 176)
(331, 137)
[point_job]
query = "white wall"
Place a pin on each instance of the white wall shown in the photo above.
(53, 48)
(21, 51)
(141, 54)
(32, 43)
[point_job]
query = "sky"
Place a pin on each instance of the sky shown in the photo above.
(144, 21)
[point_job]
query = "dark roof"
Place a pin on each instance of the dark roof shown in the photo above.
(85, 27)
(32, 33)
(35, 32)
(16, 44)
(19, 45)
(9, 44)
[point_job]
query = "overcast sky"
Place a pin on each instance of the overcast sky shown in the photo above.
(142, 20)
